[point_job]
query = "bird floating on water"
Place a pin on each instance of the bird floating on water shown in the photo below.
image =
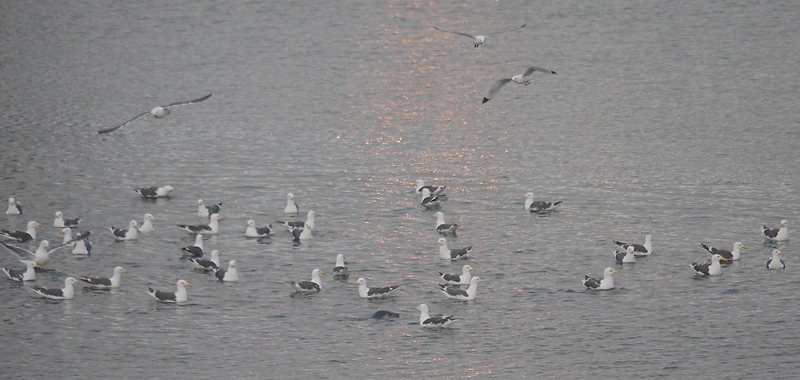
(366, 292)
(14, 208)
(478, 40)
(429, 201)
(22, 236)
(446, 253)
(206, 211)
(195, 250)
(179, 296)
(226, 275)
(154, 191)
(645, 249)
(157, 112)
(291, 205)
(67, 293)
(539, 206)
(60, 222)
(132, 233)
(606, 283)
(627, 256)
(340, 270)
(777, 234)
(207, 265)
(257, 232)
(315, 285)
(425, 320)
(147, 224)
(211, 228)
(458, 279)
(709, 269)
(106, 282)
(29, 274)
(435, 190)
(518, 79)
(733, 254)
(775, 262)
(442, 227)
(455, 292)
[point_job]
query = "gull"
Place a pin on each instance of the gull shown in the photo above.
(340, 270)
(157, 112)
(539, 206)
(733, 254)
(455, 291)
(106, 282)
(257, 232)
(230, 274)
(709, 269)
(777, 234)
(179, 296)
(365, 292)
(206, 211)
(314, 285)
(605, 284)
(775, 262)
(207, 265)
(59, 294)
(14, 208)
(481, 38)
(60, 222)
(211, 228)
(458, 279)
(22, 236)
(442, 227)
(154, 191)
(446, 253)
(42, 254)
(627, 256)
(425, 320)
(130, 234)
(147, 225)
(29, 274)
(435, 190)
(195, 250)
(518, 79)
(291, 205)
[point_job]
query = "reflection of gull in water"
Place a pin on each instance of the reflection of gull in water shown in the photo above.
(481, 38)
(158, 113)
(518, 79)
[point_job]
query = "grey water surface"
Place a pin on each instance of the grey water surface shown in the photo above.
(677, 119)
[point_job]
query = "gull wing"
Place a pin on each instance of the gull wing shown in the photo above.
(112, 129)
(506, 30)
(496, 87)
(459, 33)
(198, 100)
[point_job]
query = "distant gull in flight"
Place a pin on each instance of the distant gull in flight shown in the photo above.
(154, 191)
(481, 38)
(158, 112)
(518, 79)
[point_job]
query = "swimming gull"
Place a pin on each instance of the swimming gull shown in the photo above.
(154, 191)
(479, 39)
(67, 293)
(230, 274)
(291, 205)
(207, 265)
(147, 224)
(777, 234)
(775, 262)
(195, 250)
(256, 232)
(458, 279)
(365, 292)
(442, 227)
(310, 219)
(455, 292)
(340, 270)
(14, 208)
(626, 256)
(60, 222)
(385, 314)
(518, 79)
(605, 284)
(425, 320)
(132, 233)
(211, 228)
(29, 274)
(733, 254)
(104, 282)
(429, 201)
(709, 269)
(435, 190)
(157, 112)
(539, 206)
(645, 249)
(451, 254)
(22, 236)
(206, 211)
(314, 285)
(179, 296)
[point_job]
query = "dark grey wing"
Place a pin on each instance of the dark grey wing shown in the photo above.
(207, 264)
(102, 281)
(16, 274)
(112, 129)
(533, 69)
(591, 282)
(506, 30)
(19, 206)
(16, 251)
(769, 232)
(20, 236)
(619, 255)
(459, 33)
(263, 230)
(194, 251)
(219, 273)
(460, 252)
(308, 285)
(198, 100)
(49, 292)
(118, 232)
(451, 277)
(496, 87)
(379, 291)
(165, 296)
(385, 314)
(214, 209)
(455, 291)
(72, 222)
(701, 268)
(147, 192)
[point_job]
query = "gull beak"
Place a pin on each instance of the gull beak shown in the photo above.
(155, 220)
(616, 272)
(781, 253)
(744, 247)
(416, 308)
(221, 218)
(473, 269)
(189, 285)
(723, 259)
(37, 266)
(77, 282)
(124, 271)
(355, 283)
(39, 225)
(321, 272)
(60, 232)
